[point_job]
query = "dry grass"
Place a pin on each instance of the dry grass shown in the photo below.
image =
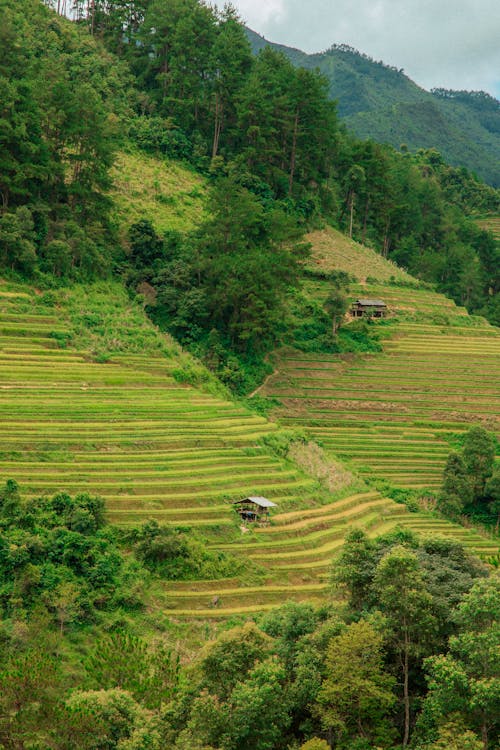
(334, 251)
(314, 461)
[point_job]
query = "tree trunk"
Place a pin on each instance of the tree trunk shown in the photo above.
(406, 695)
(352, 214)
(293, 155)
(334, 326)
(217, 126)
(365, 220)
(92, 21)
(387, 243)
(484, 735)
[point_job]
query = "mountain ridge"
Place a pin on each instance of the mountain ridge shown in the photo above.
(380, 102)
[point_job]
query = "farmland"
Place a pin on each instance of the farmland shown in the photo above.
(395, 414)
(93, 398)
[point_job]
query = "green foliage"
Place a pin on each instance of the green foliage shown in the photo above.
(456, 490)
(177, 555)
(466, 681)
(280, 441)
(315, 744)
(119, 722)
(62, 99)
(479, 457)
(470, 478)
(121, 660)
(379, 102)
(357, 695)
(59, 552)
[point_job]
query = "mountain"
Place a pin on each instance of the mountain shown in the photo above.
(380, 102)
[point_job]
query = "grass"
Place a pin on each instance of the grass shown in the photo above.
(169, 195)
(334, 251)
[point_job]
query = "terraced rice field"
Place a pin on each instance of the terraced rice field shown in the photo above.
(392, 414)
(127, 430)
(153, 447)
(492, 224)
(297, 551)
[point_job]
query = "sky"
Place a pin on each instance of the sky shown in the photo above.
(452, 44)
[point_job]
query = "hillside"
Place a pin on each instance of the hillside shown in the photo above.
(96, 400)
(380, 102)
(164, 191)
(393, 415)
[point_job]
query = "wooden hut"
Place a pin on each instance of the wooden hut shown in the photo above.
(369, 308)
(254, 509)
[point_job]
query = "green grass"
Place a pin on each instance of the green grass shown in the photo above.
(333, 251)
(169, 195)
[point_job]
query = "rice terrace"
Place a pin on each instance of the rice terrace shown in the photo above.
(126, 426)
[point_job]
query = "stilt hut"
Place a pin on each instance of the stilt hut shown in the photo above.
(254, 509)
(369, 308)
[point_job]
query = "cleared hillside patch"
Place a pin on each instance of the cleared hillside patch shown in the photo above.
(169, 195)
(334, 251)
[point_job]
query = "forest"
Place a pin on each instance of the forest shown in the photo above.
(177, 79)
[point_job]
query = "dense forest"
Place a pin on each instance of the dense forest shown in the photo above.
(177, 79)
(404, 652)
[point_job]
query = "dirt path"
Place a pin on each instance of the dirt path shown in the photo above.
(254, 393)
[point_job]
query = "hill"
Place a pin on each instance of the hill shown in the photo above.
(393, 414)
(380, 102)
(96, 400)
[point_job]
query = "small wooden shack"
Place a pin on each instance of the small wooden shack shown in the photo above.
(369, 308)
(254, 509)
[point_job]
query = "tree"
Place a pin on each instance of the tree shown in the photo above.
(407, 605)
(249, 260)
(65, 602)
(315, 744)
(466, 681)
(120, 722)
(354, 569)
(479, 457)
(231, 657)
(356, 695)
(145, 245)
(336, 305)
(232, 61)
(492, 492)
(456, 491)
(453, 736)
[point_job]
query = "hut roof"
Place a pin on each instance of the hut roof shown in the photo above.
(370, 302)
(262, 502)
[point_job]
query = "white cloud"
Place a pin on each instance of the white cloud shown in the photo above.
(261, 12)
(450, 43)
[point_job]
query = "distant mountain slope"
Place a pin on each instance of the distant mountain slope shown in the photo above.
(380, 102)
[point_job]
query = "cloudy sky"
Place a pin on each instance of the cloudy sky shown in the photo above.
(449, 43)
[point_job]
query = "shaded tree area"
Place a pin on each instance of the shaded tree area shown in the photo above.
(61, 100)
(471, 480)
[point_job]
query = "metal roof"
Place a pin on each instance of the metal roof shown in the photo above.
(263, 502)
(371, 302)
